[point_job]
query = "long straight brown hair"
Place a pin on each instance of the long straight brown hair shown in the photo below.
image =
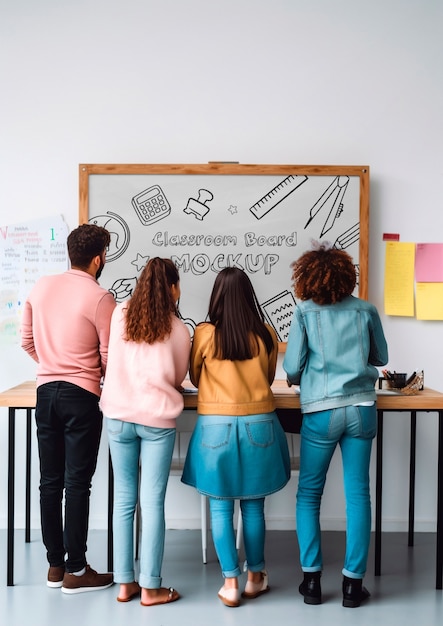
(235, 312)
(150, 309)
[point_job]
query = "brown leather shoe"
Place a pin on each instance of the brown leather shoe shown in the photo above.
(89, 581)
(55, 577)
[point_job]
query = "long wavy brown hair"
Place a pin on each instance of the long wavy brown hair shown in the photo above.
(150, 309)
(325, 275)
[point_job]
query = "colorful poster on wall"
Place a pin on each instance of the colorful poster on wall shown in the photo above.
(27, 252)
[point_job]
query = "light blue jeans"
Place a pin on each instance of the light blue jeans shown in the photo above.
(146, 450)
(353, 429)
(223, 535)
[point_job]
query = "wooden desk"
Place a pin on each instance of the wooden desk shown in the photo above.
(288, 409)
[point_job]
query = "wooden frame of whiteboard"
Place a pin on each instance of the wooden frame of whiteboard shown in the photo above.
(237, 169)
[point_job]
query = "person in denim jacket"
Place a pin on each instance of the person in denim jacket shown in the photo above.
(335, 342)
(238, 449)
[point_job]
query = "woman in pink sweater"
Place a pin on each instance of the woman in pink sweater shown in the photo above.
(148, 359)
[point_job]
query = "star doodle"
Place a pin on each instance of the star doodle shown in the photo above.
(233, 209)
(140, 261)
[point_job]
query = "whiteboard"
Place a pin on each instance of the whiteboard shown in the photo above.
(260, 218)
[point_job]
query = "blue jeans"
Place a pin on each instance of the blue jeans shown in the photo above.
(145, 451)
(352, 428)
(69, 424)
(223, 535)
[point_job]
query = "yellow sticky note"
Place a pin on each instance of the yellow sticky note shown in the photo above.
(429, 298)
(399, 278)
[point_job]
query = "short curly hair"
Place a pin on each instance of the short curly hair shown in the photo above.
(86, 242)
(325, 275)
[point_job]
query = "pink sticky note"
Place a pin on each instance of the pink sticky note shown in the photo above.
(429, 263)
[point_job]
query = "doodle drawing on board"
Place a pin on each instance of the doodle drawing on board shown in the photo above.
(347, 238)
(119, 231)
(332, 200)
(151, 205)
(122, 288)
(279, 311)
(276, 195)
(198, 208)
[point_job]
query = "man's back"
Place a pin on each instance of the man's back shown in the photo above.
(65, 328)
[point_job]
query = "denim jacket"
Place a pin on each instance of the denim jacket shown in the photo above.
(332, 352)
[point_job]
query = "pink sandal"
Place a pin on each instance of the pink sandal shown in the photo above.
(253, 590)
(229, 597)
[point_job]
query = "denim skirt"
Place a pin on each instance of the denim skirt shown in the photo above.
(240, 457)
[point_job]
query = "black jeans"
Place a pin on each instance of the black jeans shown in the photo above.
(69, 424)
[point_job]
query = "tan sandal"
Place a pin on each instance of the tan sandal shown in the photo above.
(172, 596)
(132, 595)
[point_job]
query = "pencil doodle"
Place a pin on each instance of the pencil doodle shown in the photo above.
(347, 238)
(332, 199)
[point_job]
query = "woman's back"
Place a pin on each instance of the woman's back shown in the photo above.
(232, 387)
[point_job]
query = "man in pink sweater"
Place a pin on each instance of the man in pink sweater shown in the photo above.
(65, 329)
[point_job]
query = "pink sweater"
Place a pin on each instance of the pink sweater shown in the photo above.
(142, 379)
(65, 328)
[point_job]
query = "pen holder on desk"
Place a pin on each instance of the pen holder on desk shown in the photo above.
(396, 380)
(399, 381)
(414, 385)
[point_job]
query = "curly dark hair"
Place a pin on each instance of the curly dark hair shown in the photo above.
(148, 315)
(86, 242)
(325, 276)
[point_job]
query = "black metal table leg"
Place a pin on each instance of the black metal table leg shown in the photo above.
(110, 511)
(378, 493)
(438, 581)
(28, 476)
(11, 485)
(412, 456)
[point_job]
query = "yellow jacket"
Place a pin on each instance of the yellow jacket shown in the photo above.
(231, 387)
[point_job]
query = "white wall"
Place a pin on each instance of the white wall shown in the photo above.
(341, 82)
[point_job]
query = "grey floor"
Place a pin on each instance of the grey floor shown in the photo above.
(404, 594)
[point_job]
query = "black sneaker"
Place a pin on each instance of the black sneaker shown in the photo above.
(89, 581)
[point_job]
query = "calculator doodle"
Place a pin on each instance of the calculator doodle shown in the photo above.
(151, 205)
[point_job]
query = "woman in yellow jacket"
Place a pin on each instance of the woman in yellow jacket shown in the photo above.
(238, 449)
